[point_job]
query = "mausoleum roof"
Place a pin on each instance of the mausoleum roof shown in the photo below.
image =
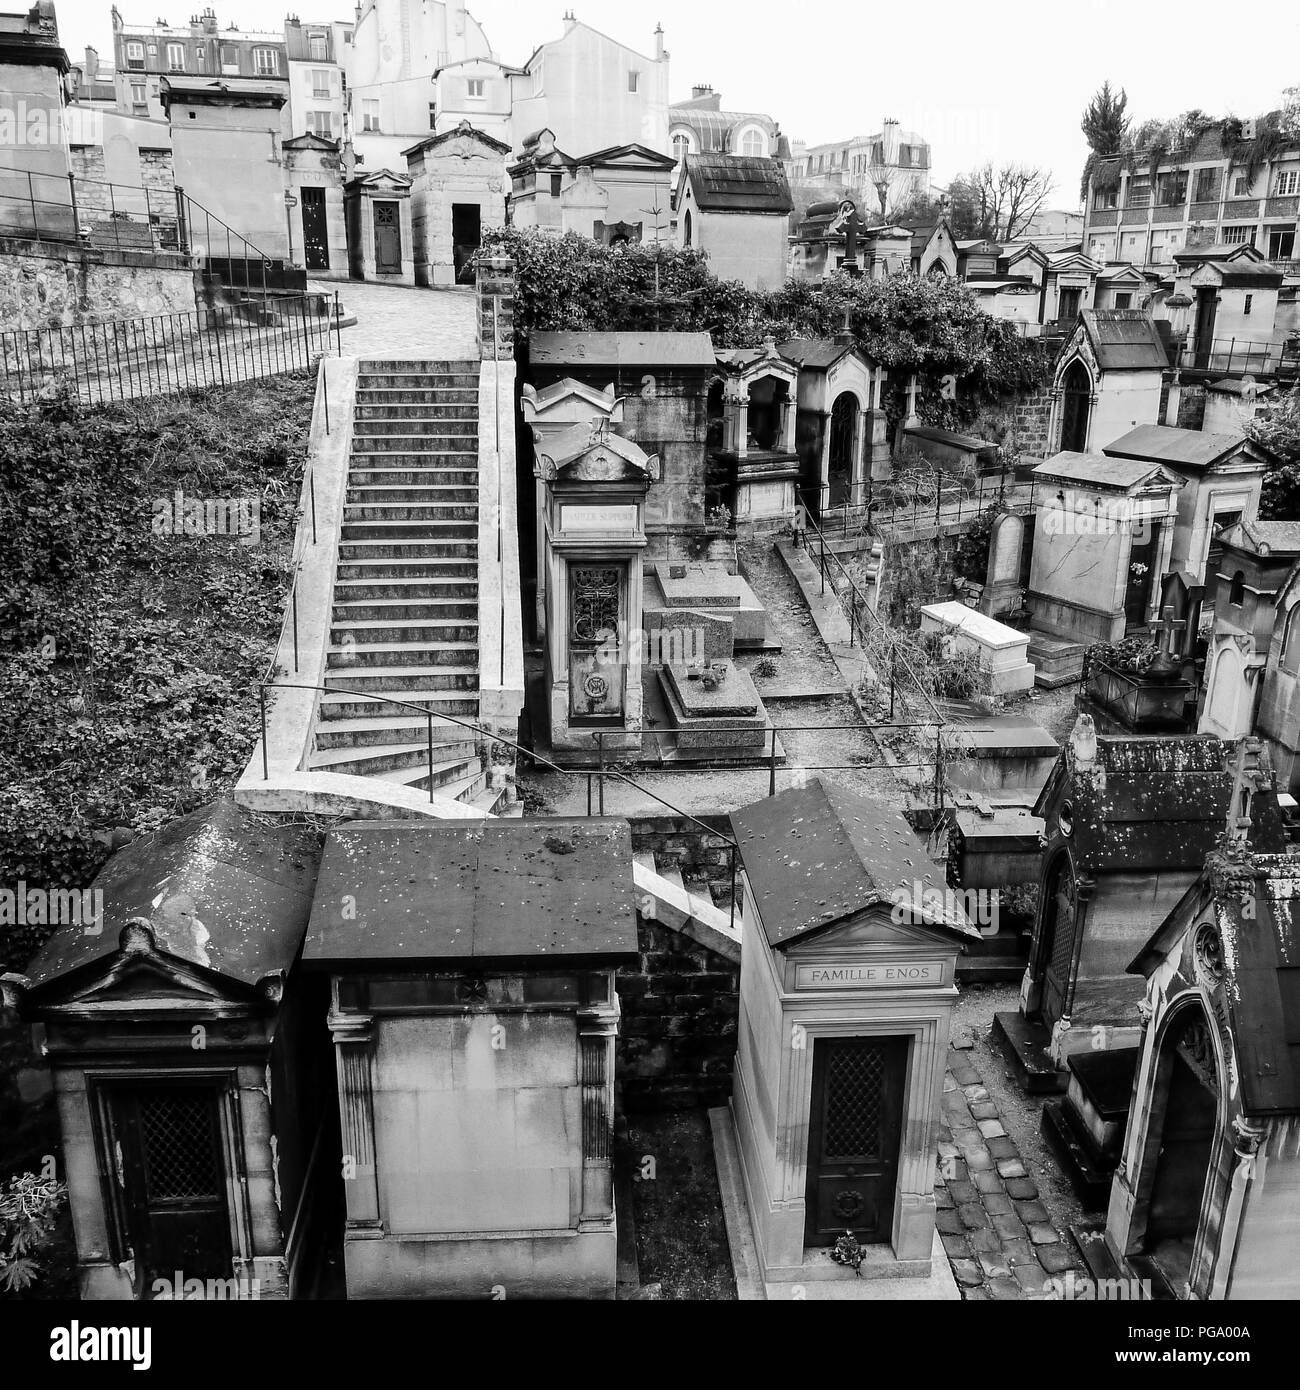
(621, 349)
(1100, 470)
(738, 183)
(219, 888)
(1280, 539)
(484, 891)
(1125, 340)
(815, 855)
(1168, 444)
(1256, 906)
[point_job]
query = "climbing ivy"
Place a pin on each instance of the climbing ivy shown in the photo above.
(128, 656)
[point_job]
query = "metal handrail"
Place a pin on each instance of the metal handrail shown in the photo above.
(488, 734)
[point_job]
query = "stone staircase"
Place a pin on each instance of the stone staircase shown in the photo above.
(404, 622)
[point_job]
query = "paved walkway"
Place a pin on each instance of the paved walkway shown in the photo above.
(394, 321)
(999, 1235)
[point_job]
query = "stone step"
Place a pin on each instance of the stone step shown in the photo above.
(369, 632)
(458, 434)
(445, 413)
(458, 450)
(379, 758)
(405, 610)
(381, 467)
(380, 395)
(367, 568)
(408, 513)
(424, 365)
(466, 382)
(391, 726)
(429, 494)
(426, 548)
(413, 655)
(339, 705)
(459, 590)
(488, 800)
(463, 789)
(396, 680)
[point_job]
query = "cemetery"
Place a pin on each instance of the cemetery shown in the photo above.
(740, 748)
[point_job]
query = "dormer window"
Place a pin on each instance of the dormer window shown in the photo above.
(474, 89)
(266, 62)
(1237, 590)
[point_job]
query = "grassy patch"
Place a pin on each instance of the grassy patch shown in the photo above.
(681, 1238)
(130, 651)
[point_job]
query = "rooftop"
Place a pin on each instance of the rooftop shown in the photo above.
(815, 855)
(738, 183)
(218, 888)
(1125, 340)
(484, 891)
(1183, 448)
(1100, 470)
(622, 349)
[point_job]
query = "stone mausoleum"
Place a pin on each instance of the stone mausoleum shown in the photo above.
(473, 1011)
(847, 988)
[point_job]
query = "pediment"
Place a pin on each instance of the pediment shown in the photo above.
(153, 981)
(879, 930)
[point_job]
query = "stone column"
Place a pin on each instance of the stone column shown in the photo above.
(352, 1044)
(597, 1030)
(735, 417)
(787, 426)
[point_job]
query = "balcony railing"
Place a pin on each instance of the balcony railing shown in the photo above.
(1249, 357)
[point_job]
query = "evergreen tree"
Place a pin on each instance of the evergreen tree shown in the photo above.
(1104, 123)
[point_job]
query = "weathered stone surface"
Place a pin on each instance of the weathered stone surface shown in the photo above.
(1011, 1168)
(1009, 1227)
(59, 285)
(1043, 1234)
(973, 1216)
(1031, 1278)
(967, 1273)
(961, 1190)
(1004, 1289)
(979, 1160)
(1020, 1187)
(1032, 1211)
(948, 1223)
(986, 1180)
(1019, 1252)
(1002, 1146)
(994, 1267)
(998, 1204)
(1056, 1259)
(992, 1129)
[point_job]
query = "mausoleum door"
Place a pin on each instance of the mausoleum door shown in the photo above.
(166, 1163)
(1075, 405)
(597, 661)
(843, 429)
(1207, 301)
(1060, 915)
(1185, 1145)
(388, 237)
(854, 1134)
(466, 237)
(315, 238)
(1141, 577)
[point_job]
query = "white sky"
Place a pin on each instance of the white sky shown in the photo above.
(1005, 81)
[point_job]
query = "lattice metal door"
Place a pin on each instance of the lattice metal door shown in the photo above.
(854, 1134)
(170, 1179)
(1060, 920)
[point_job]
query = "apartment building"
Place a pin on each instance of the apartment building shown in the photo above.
(879, 172)
(1206, 192)
(145, 53)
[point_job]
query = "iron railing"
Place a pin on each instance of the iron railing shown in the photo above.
(492, 736)
(1254, 357)
(170, 354)
(918, 498)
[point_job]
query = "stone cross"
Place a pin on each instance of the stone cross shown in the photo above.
(1167, 629)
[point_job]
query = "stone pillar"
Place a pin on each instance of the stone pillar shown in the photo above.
(352, 1042)
(495, 287)
(735, 418)
(597, 1030)
(787, 426)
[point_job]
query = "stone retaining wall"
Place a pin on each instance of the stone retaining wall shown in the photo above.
(681, 1001)
(52, 285)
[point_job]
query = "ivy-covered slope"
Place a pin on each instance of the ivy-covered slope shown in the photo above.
(130, 653)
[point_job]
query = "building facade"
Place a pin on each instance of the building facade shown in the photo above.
(1210, 189)
(881, 171)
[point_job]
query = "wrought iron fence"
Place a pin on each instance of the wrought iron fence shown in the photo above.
(168, 354)
(1254, 357)
(916, 498)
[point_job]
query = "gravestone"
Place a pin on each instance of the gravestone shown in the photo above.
(1002, 578)
(714, 706)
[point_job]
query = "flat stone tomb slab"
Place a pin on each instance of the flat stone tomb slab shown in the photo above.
(730, 716)
(1001, 649)
(699, 585)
